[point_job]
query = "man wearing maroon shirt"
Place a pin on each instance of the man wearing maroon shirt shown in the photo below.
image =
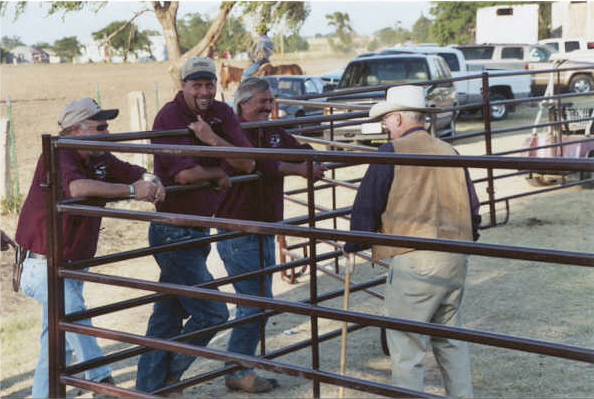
(261, 201)
(215, 124)
(83, 174)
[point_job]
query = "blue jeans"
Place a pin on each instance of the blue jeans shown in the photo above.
(241, 255)
(34, 285)
(252, 69)
(187, 267)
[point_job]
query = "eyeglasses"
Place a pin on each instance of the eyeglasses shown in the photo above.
(99, 128)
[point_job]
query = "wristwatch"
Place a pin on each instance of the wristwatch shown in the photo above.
(132, 191)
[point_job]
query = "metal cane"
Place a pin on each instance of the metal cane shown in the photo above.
(350, 268)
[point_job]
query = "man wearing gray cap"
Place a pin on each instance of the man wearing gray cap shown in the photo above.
(83, 174)
(213, 123)
(419, 201)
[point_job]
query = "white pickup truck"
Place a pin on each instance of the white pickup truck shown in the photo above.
(469, 90)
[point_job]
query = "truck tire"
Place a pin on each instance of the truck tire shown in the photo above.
(498, 112)
(581, 84)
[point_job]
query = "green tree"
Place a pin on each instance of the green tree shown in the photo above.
(421, 30)
(8, 43)
(544, 20)
(290, 13)
(123, 38)
(42, 45)
(189, 28)
(389, 37)
(291, 43)
(342, 31)
(234, 37)
(455, 21)
(67, 48)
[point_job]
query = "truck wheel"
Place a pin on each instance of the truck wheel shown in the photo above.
(498, 112)
(581, 84)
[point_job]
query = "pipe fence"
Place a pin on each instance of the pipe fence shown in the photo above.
(322, 228)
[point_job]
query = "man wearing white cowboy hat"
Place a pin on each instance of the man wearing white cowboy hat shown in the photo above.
(419, 201)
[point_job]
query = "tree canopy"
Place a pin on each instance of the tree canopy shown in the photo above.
(123, 38)
(342, 30)
(289, 14)
(67, 48)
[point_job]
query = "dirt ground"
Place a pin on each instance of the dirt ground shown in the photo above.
(535, 300)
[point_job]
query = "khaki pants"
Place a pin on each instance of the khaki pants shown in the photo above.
(427, 286)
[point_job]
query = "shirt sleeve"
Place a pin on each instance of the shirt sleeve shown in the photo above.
(371, 199)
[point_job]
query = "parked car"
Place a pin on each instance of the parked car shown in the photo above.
(568, 44)
(532, 57)
(393, 70)
(470, 91)
(331, 79)
(291, 86)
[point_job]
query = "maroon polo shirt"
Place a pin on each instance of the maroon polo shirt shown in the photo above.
(261, 200)
(81, 233)
(177, 115)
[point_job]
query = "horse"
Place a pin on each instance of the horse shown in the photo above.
(284, 69)
(230, 74)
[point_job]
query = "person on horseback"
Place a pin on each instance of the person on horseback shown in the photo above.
(263, 49)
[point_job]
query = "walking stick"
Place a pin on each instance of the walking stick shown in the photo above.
(350, 268)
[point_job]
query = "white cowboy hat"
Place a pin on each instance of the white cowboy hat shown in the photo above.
(402, 98)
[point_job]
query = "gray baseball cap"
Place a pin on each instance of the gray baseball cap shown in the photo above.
(199, 67)
(83, 109)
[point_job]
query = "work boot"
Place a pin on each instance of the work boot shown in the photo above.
(250, 383)
(107, 380)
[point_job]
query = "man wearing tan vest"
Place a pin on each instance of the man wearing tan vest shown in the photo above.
(419, 201)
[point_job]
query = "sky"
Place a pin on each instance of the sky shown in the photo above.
(366, 17)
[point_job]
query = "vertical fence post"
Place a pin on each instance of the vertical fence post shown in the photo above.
(10, 190)
(98, 94)
(55, 284)
(138, 123)
(5, 178)
(489, 148)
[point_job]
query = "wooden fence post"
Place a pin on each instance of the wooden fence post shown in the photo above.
(5, 175)
(138, 123)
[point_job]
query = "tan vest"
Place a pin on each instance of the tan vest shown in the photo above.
(425, 201)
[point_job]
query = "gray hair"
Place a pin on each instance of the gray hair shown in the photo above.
(246, 90)
(413, 116)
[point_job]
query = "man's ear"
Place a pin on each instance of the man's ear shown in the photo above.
(77, 130)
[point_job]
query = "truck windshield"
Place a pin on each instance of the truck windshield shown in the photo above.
(384, 72)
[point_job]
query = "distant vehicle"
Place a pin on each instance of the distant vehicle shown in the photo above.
(331, 79)
(394, 70)
(568, 45)
(531, 57)
(290, 86)
(470, 91)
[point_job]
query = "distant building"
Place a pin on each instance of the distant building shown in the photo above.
(53, 58)
(26, 55)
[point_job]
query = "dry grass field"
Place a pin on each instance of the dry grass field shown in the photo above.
(520, 298)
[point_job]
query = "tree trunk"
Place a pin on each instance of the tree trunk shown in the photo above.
(166, 13)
